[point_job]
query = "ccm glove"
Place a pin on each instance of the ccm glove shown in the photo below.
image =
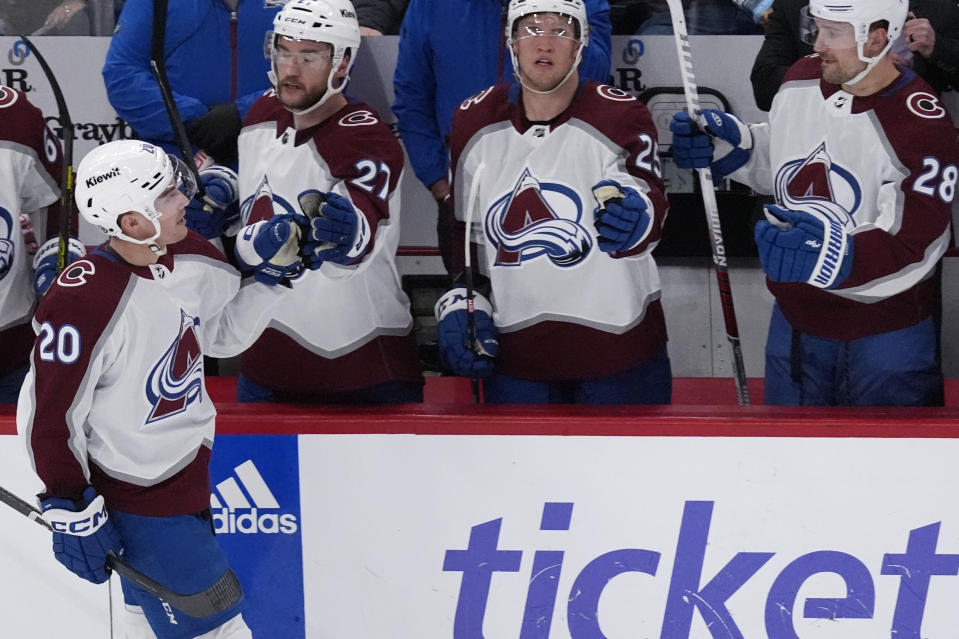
(452, 332)
(83, 534)
(45, 262)
(339, 234)
(726, 148)
(621, 217)
(212, 215)
(216, 132)
(270, 248)
(795, 246)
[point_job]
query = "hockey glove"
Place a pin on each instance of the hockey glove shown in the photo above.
(45, 262)
(795, 246)
(219, 209)
(83, 534)
(694, 149)
(338, 234)
(216, 132)
(271, 248)
(452, 334)
(621, 217)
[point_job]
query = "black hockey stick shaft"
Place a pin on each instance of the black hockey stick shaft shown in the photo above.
(709, 203)
(158, 67)
(211, 601)
(65, 218)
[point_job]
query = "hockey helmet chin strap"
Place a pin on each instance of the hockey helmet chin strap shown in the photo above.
(870, 62)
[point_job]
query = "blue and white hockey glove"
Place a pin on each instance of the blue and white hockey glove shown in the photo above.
(726, 148)
(795, 246)
(45, 262)
(212, 215)
(452, 334)
(83, 534)
(621, 217)
(339, 233)
(270, 248)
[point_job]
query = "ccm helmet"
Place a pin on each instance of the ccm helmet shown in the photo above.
(861, 14)
(329, 21)
(124, 176)
(573, 9)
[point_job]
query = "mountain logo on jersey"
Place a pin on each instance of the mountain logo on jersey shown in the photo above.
(7, 247)
(176, 381)
(819, 186)
(264, 204)
(248, 493)
(538, 219)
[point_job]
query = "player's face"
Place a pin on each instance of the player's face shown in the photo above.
(836, 45)
(302, 69)
(172, 206)
(545, 46)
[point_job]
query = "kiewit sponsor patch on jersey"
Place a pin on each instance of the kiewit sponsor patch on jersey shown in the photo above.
(255, 502)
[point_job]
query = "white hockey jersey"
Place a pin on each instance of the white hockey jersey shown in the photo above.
(115, 396)
(564, 308)
(345, 327)
(887, 165)
(30, 159)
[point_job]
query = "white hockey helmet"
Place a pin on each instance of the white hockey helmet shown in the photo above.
(574, 9)
(329, 21)
(862, 14)
(124, 176)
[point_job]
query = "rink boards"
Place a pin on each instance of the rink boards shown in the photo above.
(453, 523)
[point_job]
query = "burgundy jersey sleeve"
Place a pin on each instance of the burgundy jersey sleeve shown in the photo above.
(362, 151)
(68, 357)
(626, 122)
(908, 113)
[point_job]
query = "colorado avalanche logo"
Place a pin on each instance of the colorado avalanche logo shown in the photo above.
(535, 219)
(818, 186)
(7, 247)
(264, 204)
(176, 381)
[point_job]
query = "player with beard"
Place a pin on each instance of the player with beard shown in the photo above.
(345, 334)
(862, 160)
(558, 183)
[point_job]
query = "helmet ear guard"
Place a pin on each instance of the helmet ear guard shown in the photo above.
(328, 21)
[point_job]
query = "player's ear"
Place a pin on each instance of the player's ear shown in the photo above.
(876, 41)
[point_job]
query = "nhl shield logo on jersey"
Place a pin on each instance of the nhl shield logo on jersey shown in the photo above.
(176, 381)
(819, 186)
(538, 219)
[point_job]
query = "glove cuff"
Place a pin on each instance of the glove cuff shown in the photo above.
(78, 523)
(74, 247)
(835, 255)
(455, 300)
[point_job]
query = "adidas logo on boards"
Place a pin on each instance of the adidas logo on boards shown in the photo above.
(233, 511)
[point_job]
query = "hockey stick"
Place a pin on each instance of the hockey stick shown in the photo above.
(158, 67)
(709, 203)
(468, 273)
(65, 218)
(225, 592)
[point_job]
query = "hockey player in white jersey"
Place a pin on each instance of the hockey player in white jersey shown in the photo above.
(862, 159)
(560, 181)
(345, 335)
(114, 410)
(30, 164)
